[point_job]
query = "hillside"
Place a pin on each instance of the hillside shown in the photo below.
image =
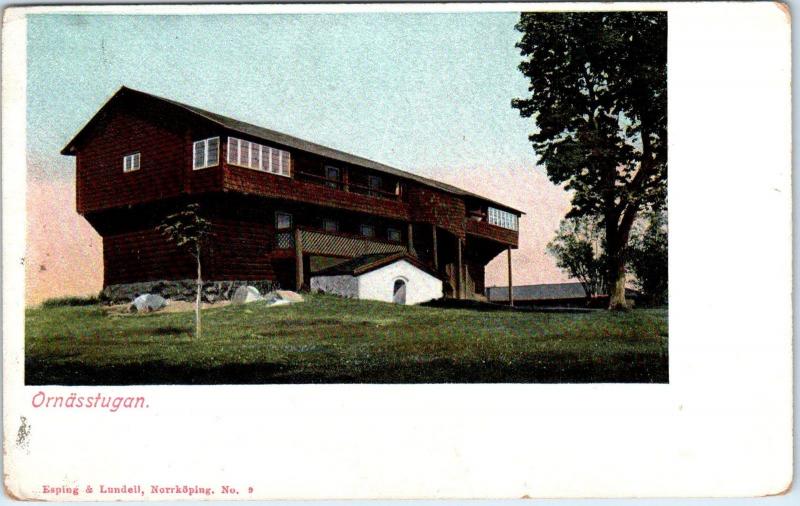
(332, 340)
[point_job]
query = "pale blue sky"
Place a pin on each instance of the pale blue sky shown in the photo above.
(417, 91)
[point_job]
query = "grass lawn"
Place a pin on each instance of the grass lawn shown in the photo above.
(331, 340)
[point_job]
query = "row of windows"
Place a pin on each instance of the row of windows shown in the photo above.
(283, 221)
(503, 219)
(205, 153)
(255, 156)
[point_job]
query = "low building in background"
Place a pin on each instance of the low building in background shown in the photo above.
(551, 294)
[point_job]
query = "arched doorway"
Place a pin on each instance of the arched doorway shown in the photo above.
(399, 292)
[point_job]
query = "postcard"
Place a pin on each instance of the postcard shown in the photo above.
(386, 251)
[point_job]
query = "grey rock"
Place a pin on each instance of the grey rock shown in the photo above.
(245, 294)
(147, 303)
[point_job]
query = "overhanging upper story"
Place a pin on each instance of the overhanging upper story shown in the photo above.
(139, 148)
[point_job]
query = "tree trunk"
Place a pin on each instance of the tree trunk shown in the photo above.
(617, 240)
(199, 296)
(616, 297)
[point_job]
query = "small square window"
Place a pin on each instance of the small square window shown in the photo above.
(330, 225)
(283, 221)
(393, 234)
(130, 162)
(368, 230)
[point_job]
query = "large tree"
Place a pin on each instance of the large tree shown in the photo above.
(598, 96)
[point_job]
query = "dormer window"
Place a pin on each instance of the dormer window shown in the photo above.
(130, 162)
(206, 153)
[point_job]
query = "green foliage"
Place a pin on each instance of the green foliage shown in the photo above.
(71, 301)
(649, 259)
(598, 97)
(187, 228)
(335, 340)
(578, 251)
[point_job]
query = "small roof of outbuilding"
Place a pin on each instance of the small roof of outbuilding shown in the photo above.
(366, 263)
(278, 138)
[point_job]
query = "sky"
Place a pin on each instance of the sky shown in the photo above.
(427, 93)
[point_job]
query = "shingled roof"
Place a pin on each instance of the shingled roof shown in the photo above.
(366, 263)
(286, 140)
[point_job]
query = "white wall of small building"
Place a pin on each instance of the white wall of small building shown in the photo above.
(345, 285)
(379, 284)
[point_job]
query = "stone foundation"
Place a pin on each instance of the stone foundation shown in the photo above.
(182, 289)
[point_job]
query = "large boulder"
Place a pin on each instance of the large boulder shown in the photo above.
(289, 295)
(245, 294)
(147, 303)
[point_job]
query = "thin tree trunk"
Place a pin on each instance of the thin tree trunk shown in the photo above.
(199, 293)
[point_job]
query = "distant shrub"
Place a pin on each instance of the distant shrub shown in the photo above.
(89, 300)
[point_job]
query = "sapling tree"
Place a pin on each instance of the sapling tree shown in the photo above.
(190, 232)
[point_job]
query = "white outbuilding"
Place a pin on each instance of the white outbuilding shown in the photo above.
(392, 277)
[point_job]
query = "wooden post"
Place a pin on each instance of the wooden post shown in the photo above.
(411, 239)
(510, 282)
(435, 250)
(459, 267)
(298, 258)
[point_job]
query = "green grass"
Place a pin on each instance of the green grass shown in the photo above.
(71, 301)
(331, 340)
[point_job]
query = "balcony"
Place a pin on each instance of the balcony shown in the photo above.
(479, 226)
(349, 187)
(318, 242)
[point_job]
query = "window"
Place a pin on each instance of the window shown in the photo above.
(375, 184)
(393, 234)
(283, 221)
(258, 157)
(332, 176)
(503, 219)
(368, 230)
(206, 153)
(330, 225)
(130, 162)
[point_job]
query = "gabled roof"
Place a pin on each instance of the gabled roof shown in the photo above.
(366, 263)
(279, 138)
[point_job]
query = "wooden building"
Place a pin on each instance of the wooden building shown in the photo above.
(280, 207)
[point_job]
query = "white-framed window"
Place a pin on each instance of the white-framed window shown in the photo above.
(283, 220)
(503, 219)
(368, 230)
(130, 162)
(255, 156)
(205, 153)
(393, 234)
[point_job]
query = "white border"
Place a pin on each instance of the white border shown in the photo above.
(722, 427)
